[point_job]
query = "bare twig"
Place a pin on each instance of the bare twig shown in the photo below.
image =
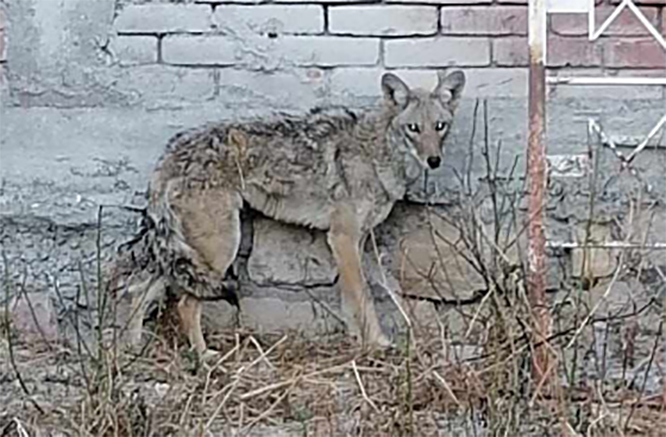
(360, 386)
(262, 356)
(263, 415)
(655, 347)
(278, 385)
(10, 345)
(447, 387)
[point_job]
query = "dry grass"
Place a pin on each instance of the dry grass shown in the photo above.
(265, 383)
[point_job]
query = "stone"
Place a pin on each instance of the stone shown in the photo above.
(596, 262)
(429, 266)
(219, 316)
(614, 298)
(435, 269)
(422, 313)
(42, 326)
(272, 314)
(284, 254)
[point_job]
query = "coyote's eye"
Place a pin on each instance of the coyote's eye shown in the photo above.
(413, 127)
(440, 126)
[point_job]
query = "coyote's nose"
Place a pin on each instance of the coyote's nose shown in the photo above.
(434, 161)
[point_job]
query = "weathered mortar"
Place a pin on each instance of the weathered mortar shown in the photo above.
(94, 89)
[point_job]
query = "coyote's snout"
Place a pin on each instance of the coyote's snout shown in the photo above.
(330, 169)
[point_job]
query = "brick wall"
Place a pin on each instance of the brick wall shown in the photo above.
(322, 47)
(3, 52)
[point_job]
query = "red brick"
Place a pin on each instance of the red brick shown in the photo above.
(562, 52)
(484, 20)
(643, 2)
(573, 52)
(663, 23)
(3, 54)
(625, 24)
(635, 53)
(524, 2)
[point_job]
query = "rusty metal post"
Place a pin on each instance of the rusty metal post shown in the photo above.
(536, 167)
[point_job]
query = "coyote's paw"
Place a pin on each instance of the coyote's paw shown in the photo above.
(376, 341)
(133, 347)
(381, 342)
(132, 341)
(209, 356)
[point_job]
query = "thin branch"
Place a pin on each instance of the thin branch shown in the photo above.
(10, 344)
(360, 386)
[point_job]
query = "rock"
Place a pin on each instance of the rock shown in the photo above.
(42, 326)
(622, 297)
(277, 315)
(219, 316)
(283, 254)
(422, 313)
(161, 389)
(599, 263)
(436, 269)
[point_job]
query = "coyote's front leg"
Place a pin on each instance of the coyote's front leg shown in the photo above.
(344, 238)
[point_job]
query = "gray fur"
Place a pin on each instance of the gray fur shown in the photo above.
(330, 169)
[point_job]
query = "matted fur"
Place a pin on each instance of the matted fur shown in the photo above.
(328, 169)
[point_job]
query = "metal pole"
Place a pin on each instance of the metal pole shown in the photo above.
(536, 167)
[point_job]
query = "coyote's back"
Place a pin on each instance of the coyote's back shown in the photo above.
(330, 169)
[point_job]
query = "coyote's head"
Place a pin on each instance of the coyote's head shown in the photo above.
(423, 118)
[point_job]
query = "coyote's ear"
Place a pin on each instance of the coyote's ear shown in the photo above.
(450, 84)
(395, 90)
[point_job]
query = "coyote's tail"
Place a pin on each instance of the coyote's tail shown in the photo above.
(160, 250)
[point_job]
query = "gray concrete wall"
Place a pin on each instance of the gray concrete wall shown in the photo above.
(91, 90)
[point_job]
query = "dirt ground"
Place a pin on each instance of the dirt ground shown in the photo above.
(288, 385)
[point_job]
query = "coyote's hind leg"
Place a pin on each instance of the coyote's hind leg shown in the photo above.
(211, 226)
(344, 238)
(143, 294)
(189, 312)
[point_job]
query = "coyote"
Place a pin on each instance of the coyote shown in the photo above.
(330, 169)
